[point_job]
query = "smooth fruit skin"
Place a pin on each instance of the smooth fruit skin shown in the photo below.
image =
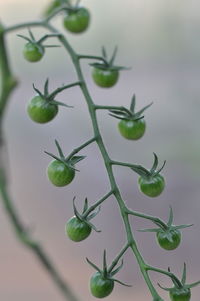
(33, 52)
(152, 187)
(40, 110)
(132, 130)
(183, 294)
(77, 230)
(101, 287)
(77, 21)
(59, 174)
(164, 241)
(105, 78)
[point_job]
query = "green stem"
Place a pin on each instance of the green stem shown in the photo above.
(154, 219)
(76, 150)
(25, 239)
(115, 261)
(59, 90)
(169, 274)
(107, 162)
(96, 204)
(8, 83)
(124, 164)
(121, 108)
(92, 57)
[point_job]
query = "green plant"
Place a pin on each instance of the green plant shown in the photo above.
(61, 171)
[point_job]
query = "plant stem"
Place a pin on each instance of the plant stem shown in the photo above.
(92, 57)
(154, 219)
(8, 83)
(107, 162)
(59, 90)
(23, 235)
(97, 204)
(76, 150)
(115, 261)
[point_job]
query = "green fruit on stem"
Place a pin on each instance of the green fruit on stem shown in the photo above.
(77, 21)
(41, 110)
(101, 287)
(153, 186)
(105, 78)
(132, 130)
(180, 294)
(77, 230)
(169, 240)
(33, 52)
(59, 173)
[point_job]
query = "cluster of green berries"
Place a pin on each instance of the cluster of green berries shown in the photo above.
(61, 171)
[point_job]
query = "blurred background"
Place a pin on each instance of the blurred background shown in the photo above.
(160, 41)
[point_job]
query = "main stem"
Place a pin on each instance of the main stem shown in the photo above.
(108, 163)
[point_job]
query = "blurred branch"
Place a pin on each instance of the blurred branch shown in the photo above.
(8, 83)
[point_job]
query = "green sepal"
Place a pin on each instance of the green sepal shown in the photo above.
(113, 56)
(94, 265)
(60, 152)
(105, 270)
(37, 91)
(149, 230)
(83, 219)
(129, 114)
(58, 103)
(122, 283)
(180, 284)
(171, 217)
(146, 174)
(25, 38)
(54, 157)
(183, 279)
(132, 106)
(91, 216)
(75, 159)
(85, 207)
(117, 269)
(192, 284)
(104, 66)
(104, 53)
(141, 171)
(164, 288)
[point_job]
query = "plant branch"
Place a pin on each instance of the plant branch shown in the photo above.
(154, 219)
(8, 83)
(76, 150)
(115, 261)
(92, 57)
(59, 90)
(97, 204)
(24, 237)
(108, 164)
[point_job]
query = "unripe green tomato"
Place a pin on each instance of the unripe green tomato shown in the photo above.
(180, 294)
(77, 230)
(41, 110)
(33, 52)
(132, 130)
(105, 78)
(101, 287)
(152, 187)
(59, 173)
(165, 243)
(77, 21)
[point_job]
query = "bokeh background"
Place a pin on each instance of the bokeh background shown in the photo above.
(160, 40)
